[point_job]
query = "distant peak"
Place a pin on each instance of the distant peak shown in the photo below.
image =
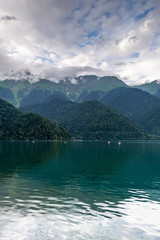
(157, 81)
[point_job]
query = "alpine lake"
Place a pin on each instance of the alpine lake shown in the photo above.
(80, 190)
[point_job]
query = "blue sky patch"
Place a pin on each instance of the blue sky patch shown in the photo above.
(93, 34)
(44, 59)
(107, 14)
(144, 14)
(134, 55)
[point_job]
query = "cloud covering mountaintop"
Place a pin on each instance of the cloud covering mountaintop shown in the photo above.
(58, 38)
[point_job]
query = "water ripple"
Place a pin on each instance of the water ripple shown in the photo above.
(80, 192)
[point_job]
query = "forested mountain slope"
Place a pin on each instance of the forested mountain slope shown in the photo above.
(131, 102)
(89, 120)
(27, 126)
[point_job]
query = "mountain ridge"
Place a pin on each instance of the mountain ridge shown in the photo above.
(72, 89)
(131, 102)
(90, 120)
(151, 87)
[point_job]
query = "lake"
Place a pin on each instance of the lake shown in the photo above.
(79, 190)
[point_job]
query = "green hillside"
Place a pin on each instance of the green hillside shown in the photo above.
(89, 120)
(151, 121)
(35, 96)
(16, 125)
(39, 96)
(131, 102)
(7, 94)
(93, 95)
(152, 88)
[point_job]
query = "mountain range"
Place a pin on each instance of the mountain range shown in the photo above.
(90, 107)
(23, 92)
(89, 120)
(152, 88)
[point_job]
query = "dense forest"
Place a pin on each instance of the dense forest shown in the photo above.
(89, 120)
(151, 121)
(16, 125)
(131, 102)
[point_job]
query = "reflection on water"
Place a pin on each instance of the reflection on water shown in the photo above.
(79, 190)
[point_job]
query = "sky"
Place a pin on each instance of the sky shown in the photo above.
(67, 38)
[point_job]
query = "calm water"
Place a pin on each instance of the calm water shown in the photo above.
(79, 190)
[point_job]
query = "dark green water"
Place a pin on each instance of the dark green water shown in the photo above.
(79, 190)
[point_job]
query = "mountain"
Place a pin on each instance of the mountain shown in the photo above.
(35, 96)
(89, 120)
(94, 85)
(16, 125)
(151, 121)
(26, 92)
(40, 96)
(152, 88)
(131, 102)
(157, 94)
(93, 95)
(7, 94)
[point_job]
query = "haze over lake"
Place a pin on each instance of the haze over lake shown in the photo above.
(79, 190)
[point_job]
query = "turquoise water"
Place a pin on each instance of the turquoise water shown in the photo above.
(79, 190)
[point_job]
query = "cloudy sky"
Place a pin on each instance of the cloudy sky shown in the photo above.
(57, 38)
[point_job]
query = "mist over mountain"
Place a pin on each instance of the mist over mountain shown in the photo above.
(74, 89)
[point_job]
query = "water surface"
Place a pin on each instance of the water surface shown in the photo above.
(79, 190)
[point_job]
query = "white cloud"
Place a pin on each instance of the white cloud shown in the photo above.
(44, 37)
